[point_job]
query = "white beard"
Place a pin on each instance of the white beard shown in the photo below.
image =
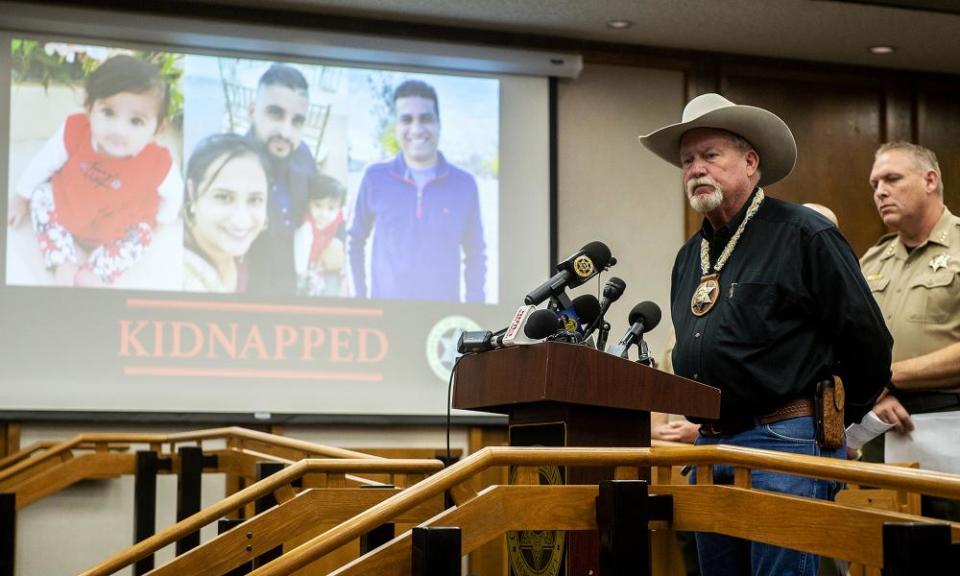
(704, 203)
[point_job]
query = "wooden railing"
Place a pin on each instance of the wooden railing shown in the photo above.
(280, 486)
(24, 453)
(734, 510)
(46, 468)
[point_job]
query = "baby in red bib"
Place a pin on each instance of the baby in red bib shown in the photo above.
(98, 188)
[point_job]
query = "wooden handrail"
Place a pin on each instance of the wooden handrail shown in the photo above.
(317, 450)
(856, 533)
(928, 482)
(82, 441)
(25, 453)
(251, 493)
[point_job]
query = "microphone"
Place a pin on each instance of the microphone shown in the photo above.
(574, 271)
(644, 317)
(528, 326)
(583, 310)
(612, 291)
(541, 324)
(586, 310)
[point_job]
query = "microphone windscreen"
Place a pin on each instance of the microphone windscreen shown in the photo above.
(598, 253)
(587, 308)
(542, 323)
(614, 288)
(646, 312)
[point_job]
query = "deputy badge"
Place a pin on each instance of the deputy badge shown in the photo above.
(938, 262)
(706, 295)
(583, 266)
(442, 343)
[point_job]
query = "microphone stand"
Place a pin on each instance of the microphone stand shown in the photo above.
(560, 302)
(645, 357)
(602, 335)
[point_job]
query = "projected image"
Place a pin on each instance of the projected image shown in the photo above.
(162, 171)
(424, 222)
(285, 238)
(265, 233)
(94, 182)
(366, 200)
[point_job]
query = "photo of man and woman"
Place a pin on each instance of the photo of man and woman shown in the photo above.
(151, 170)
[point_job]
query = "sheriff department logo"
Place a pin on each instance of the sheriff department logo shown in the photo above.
(583, 266)
(442, 343)
(533, 552)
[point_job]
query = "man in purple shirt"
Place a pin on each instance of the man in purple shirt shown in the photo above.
(424, 213)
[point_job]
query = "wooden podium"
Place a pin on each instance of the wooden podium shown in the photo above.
(558, 394)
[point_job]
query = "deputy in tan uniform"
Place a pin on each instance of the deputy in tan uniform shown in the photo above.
(914, 273)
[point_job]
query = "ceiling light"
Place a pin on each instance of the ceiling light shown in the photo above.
(882, 49)
(619, 24)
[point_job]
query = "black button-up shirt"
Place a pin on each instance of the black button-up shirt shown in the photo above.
(793, 308)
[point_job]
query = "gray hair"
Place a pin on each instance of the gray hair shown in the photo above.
(743, 145)
(924, 158)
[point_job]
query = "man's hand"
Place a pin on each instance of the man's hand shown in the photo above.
(677, 431)
(891, 411)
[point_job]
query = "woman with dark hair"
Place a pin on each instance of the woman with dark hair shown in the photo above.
(225, 209)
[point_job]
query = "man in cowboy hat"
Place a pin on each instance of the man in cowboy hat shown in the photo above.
(767, 301)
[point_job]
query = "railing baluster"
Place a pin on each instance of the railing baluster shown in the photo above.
(8, 533)
(436, 552)
(911, 548)
(224, 525)
(265, 469)
(189, 484)
(144, 505)
(623, 521)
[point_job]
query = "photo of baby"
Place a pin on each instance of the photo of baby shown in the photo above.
(318, 244)
(97, 204)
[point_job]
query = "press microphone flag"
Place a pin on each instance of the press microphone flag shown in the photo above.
(528, 326)
(574, 271)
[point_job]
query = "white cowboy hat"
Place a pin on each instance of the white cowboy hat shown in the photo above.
(768, 134)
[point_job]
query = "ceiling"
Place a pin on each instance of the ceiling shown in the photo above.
(815, 30)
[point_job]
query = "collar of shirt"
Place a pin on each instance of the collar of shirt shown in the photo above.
(940, 234)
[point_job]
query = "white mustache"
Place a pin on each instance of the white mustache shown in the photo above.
(701, 181)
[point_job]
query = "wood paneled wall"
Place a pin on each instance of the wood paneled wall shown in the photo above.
(839, 118)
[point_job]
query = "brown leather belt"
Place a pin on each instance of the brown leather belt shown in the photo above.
(793, 409)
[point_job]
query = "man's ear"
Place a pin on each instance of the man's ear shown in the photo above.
(753, 162)
(931, 179)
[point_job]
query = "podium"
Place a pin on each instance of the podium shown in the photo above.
(558, 394)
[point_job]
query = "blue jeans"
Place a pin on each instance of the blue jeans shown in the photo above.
(728, 556)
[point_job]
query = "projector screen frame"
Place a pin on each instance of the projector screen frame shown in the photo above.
(9, 28)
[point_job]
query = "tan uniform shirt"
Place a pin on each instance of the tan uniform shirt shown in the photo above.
(918, 292)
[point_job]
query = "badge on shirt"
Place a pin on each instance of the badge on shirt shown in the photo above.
(940, 261)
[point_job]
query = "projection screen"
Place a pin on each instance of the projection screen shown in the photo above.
(205, 218)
